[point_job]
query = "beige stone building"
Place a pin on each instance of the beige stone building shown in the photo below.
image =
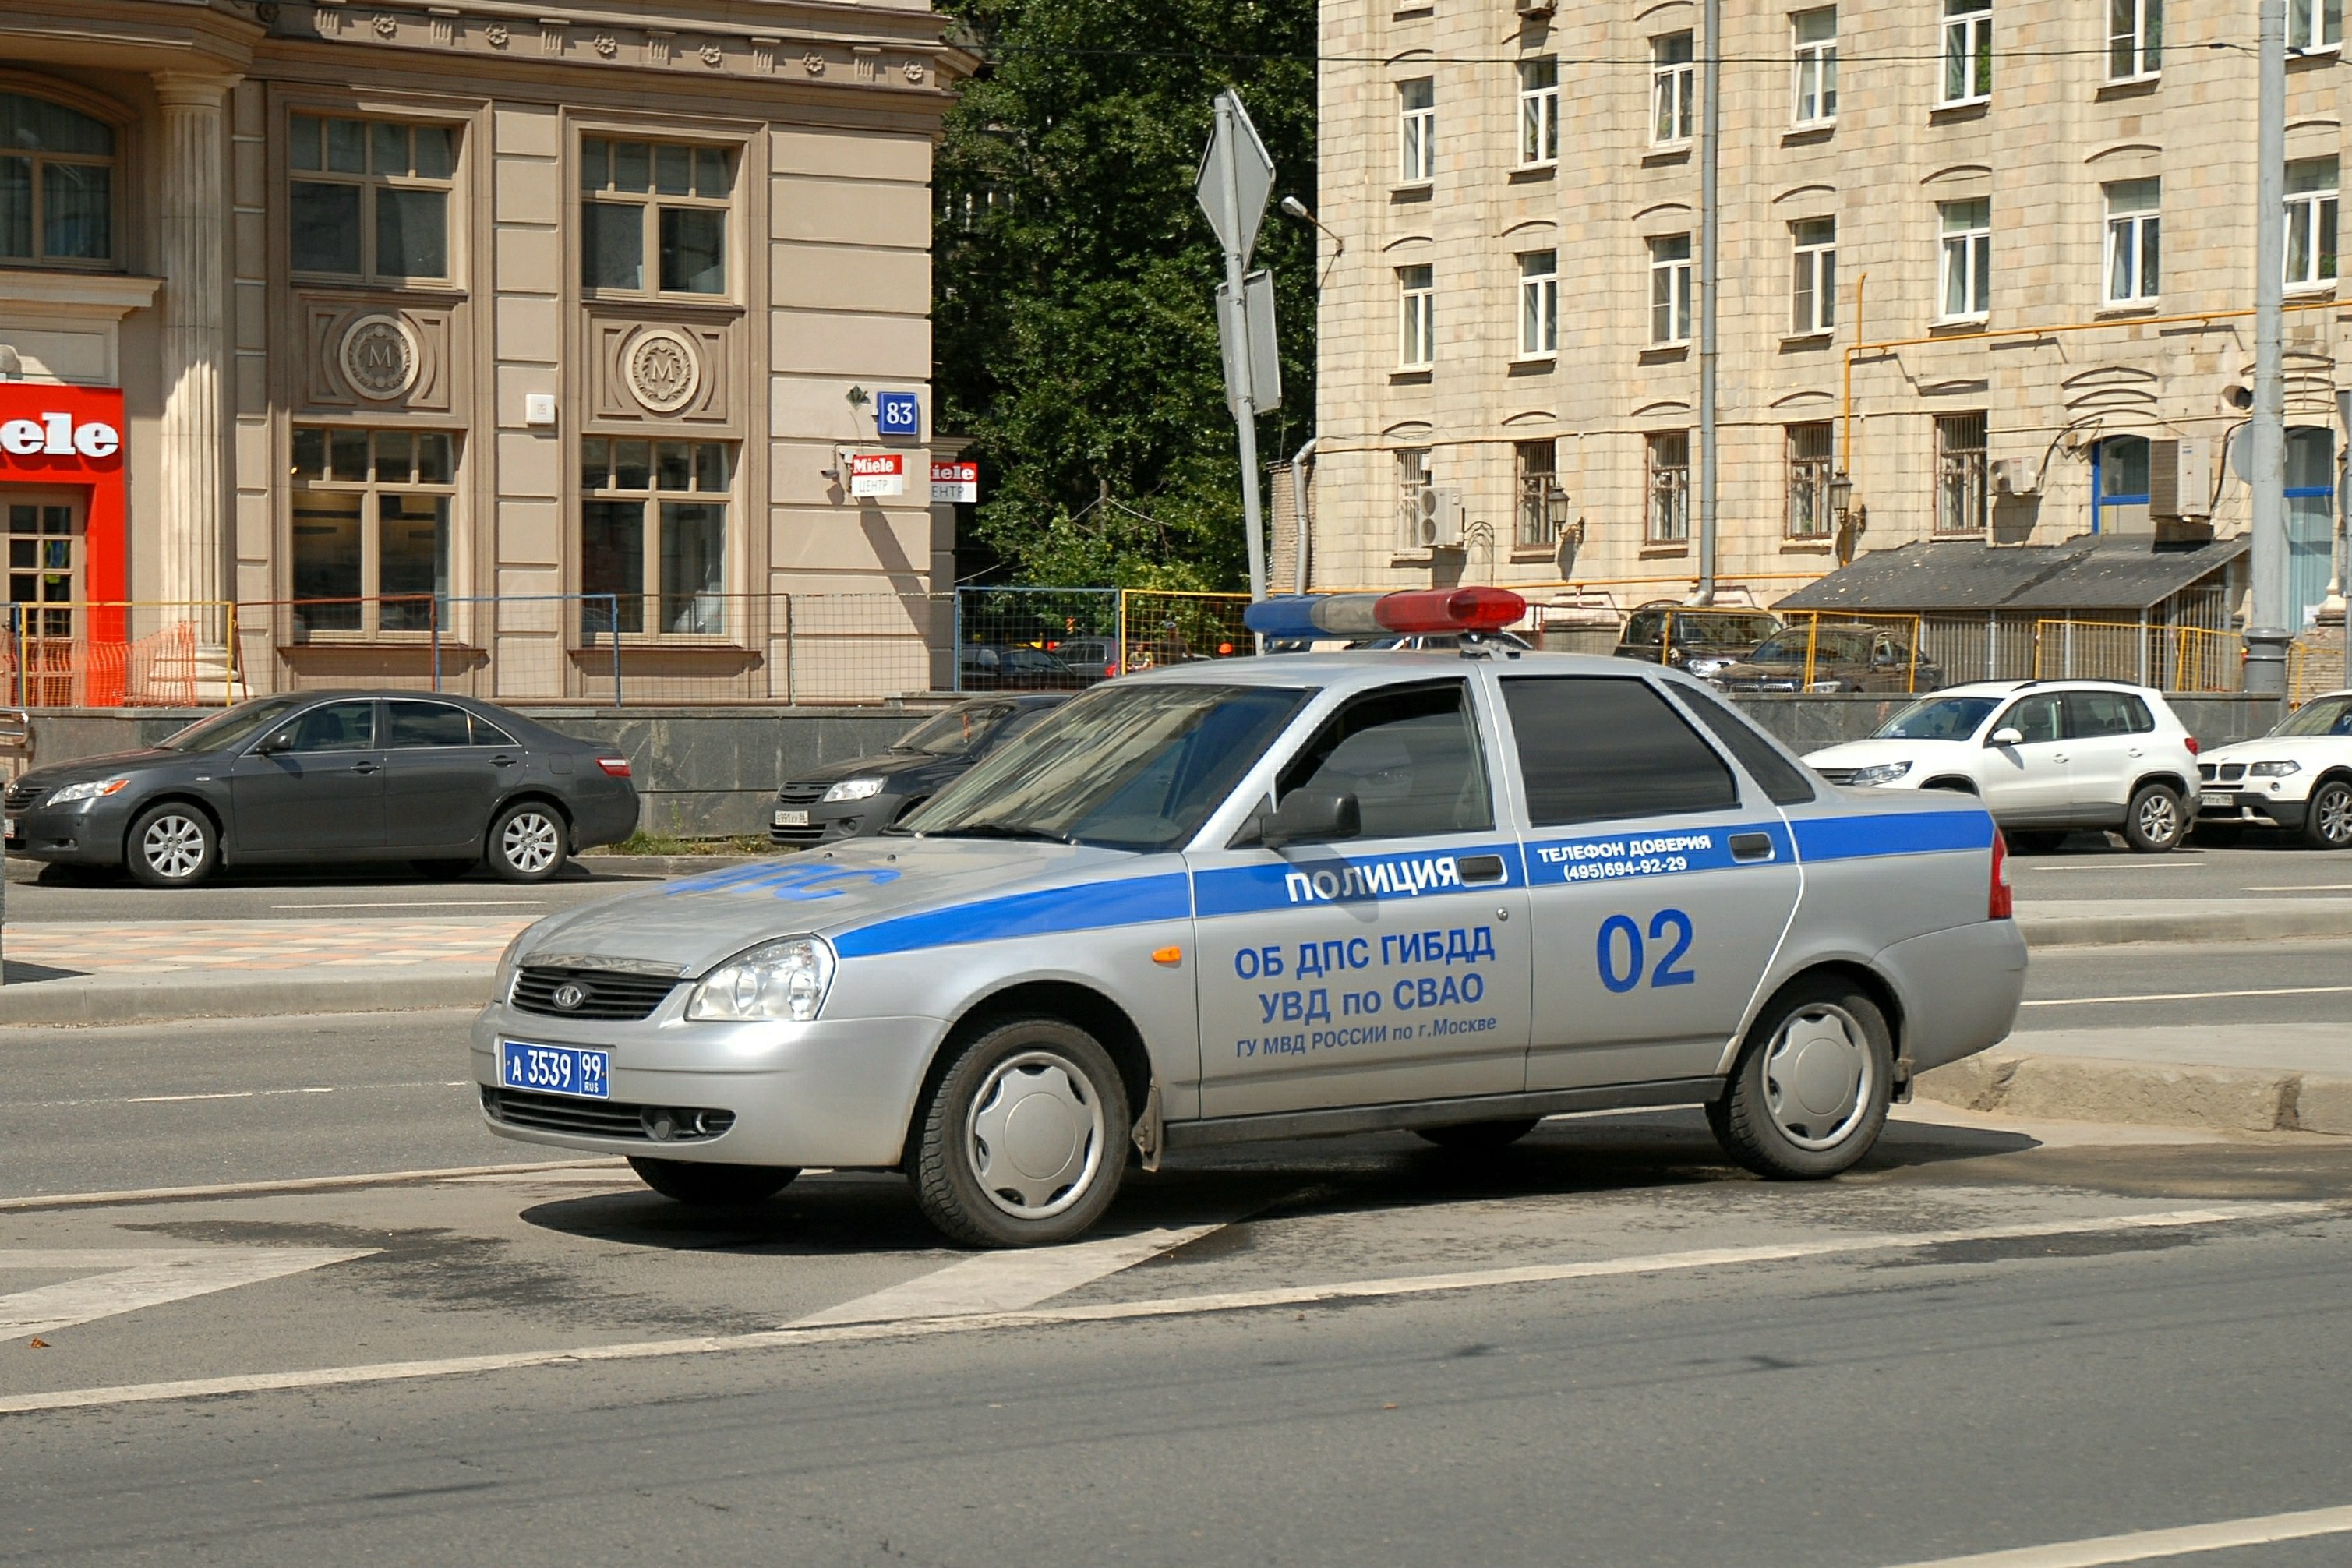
(2035, 219)
(519, 342)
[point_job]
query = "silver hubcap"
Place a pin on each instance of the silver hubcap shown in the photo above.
(173, 845)
(1820, 1076)
(531, 842)
(2158, 819)
(2335, 809)
(1036, 1135)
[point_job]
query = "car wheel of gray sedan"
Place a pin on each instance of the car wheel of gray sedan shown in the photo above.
(170, 845)
(2155, 822)
(1023, 1139)
(1478, 1137)
(527, 843)
(1809, 1093)
(713, 1186)
(2327, 823)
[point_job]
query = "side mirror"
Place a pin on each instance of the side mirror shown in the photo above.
(2008, 735)
(1311, 817)
(271, 745)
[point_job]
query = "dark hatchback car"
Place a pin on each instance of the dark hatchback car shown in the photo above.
(1008, 666)
(866, 794)
(446, 781)
(1853, 657)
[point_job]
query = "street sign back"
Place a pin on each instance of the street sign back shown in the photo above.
(1236, 165)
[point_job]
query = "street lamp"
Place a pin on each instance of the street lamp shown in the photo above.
(1840, 494)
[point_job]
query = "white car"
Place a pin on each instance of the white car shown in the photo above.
(2047, 758)
(2299, 777)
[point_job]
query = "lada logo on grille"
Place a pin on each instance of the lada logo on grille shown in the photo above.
(568, 996)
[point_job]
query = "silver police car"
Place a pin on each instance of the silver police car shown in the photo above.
(1279, 897)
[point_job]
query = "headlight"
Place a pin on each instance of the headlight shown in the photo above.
(502, 978)
(1703, 668)
(1823, 685)
(854, 789)
(2274, 770)
(778, 980)
(91, 789)
(1880, 773)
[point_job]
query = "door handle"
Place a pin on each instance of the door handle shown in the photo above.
(502, 762)
(1751, 847)
(363, 767)
(2057, 756)
(1481, 867)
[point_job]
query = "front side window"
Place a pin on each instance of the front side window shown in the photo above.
(2315, 24)
(1808, 481)
(1813, 291)
(1417, 131)
(1595, 748)
(653, 217)
(371, 546)
(2132, 234)
(1538, 304)
(2135, 38)
(1967, 260)
(336, 727)
(1673, 89)
(2311, 205)
(1539, 111)
(2035, 719)
(1815, 87)
(1669, 467)
(1968, 52)
(653, 535)
(1670, 289)
(1961, 498)
(1417, 328)
(369, 198)
(1537, 472)
(1411, 758)
(57, 183)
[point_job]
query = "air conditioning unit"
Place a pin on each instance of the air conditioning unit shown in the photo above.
(1440, 524)
(2014, 477)
(2180, 479)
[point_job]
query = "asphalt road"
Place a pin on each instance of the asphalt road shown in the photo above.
(396, 892)
(2091, 866)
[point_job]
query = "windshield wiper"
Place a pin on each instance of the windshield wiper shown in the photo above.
(999, 830)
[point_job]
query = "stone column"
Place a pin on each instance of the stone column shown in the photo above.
(191, 255)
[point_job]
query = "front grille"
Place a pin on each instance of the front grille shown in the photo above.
(800, 793)
(21, 795)
(608, 995)
(604, 1118)
(809, 834)
(2232, 772)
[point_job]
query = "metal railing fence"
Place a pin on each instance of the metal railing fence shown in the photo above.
(1846, 651)
(118, 653)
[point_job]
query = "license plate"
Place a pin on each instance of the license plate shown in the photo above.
(791, 819)
(2222, 797)
(8, 827)
(556, 1069)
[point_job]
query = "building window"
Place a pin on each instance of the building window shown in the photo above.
(370, 198)
(1669, 461)
(1813, 291)
(1539, 111)
(2310, 223)
(2135, 38)
(370, 548)
(1815, 36)
(658, 202)
(1538, 304)
(1412, 493)
(1417, 326)
(2310, 517)
(1808, 481)
(1417, 131)
(1539, 482)
(653, 529)
(1968, 52)
(1961, 497)
(2132, 234)
(1670, 289)
(1673, 89)
(2119, 489)
(2314, 25)
(57, 183)
(1967, 259)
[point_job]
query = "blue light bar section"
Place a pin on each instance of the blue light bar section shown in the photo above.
(1311, 615)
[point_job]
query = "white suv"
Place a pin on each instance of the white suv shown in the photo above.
(2047, 757)
(2299, 776)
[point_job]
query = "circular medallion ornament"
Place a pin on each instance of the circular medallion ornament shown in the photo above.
(379, 357)
(663, 370)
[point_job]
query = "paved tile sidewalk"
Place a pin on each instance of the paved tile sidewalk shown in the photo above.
(101, 947)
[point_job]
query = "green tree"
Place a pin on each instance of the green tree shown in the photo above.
(1076, 314)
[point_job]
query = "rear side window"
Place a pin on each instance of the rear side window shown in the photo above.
(2093, 714)
(486, 733)
(1645, 626)
(1782, 780)
(408, 724)
(1591, 749)
(1410, 757)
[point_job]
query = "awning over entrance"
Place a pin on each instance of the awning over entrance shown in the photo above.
(2091, 572)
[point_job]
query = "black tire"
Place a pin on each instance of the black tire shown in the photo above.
(2328, 820)
(1808, 1097)
(1477, 1137)
(445, 870)
(2156, 821)
(712, 1186)
(170, 844)
(2218, 834)
(2034, 841)
(520, 848)
(1071, 1147)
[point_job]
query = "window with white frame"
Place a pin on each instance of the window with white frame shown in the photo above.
(1417, 131)
(653, 217)
(1967, 259)
(2315, 24)
(1961, 497)
(1809, 470)
(1968, 52)
(2132, 222)
(1673, 89)
(652, 534)
(1670, 289)
(1417, 326)
(2310, 223)
(1669, 469)
(2135, 38)
(1538, 304)
(1813, 291)
(1539, 111)
(1815, 87)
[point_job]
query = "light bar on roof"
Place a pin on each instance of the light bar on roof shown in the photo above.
(1412, 612)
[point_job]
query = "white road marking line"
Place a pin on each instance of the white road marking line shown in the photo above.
(2148, 1546)
(1006, 1282)
(130, 1279)
(237, 1094)
(1118, 1311)
(2187, 995)
(288, 1185)
(2303, 887)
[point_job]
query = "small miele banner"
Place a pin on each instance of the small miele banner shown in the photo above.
(955, 482)
(72, 438)
(878, 473)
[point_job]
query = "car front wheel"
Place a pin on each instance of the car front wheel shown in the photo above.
(1809, 1095)
(2328, 822)
(2155, 822)
(1022, 1141)
(527, 843)
(171, 846)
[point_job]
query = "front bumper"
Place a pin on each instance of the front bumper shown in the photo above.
(84, 834)
(831, 824)
(2251, 808)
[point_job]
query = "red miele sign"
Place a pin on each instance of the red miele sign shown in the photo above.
(71, 437)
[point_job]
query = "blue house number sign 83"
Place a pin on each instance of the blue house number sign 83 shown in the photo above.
(1620, 952)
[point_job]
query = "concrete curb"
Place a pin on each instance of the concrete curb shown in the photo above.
(662, 864)
(2158, 1094)
(2071, 923)
(178, 996)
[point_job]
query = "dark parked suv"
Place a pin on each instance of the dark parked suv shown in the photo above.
(1701, 640)
(331, 776)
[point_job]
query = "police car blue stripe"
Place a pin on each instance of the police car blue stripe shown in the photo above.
(1319, 876)
(1091, 906)
(1647, 852)
(1892, 833)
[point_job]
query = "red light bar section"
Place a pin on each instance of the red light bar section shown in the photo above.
(1449, 610)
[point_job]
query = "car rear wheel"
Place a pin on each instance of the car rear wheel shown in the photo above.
(1809, 1093)
(2155, 822)
(2328, 822)
(1478, 1137)
(713, 1186)
(527, 842)
(1021, 1142)
(171, 846)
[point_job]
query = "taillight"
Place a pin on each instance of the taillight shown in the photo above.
(1999, 904)
(2193, 745)
(616, 766)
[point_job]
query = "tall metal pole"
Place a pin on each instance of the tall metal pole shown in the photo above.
(2266, 634)
(1709, 143)
(1237, 269)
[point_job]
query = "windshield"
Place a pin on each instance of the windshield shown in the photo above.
(233, 727)
(1128, 768)
(1829, 647)
(1938, 719)
(1721, 630)
(956, 732)
(2328, 716)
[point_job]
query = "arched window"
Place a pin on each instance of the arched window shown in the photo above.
(57, 183)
